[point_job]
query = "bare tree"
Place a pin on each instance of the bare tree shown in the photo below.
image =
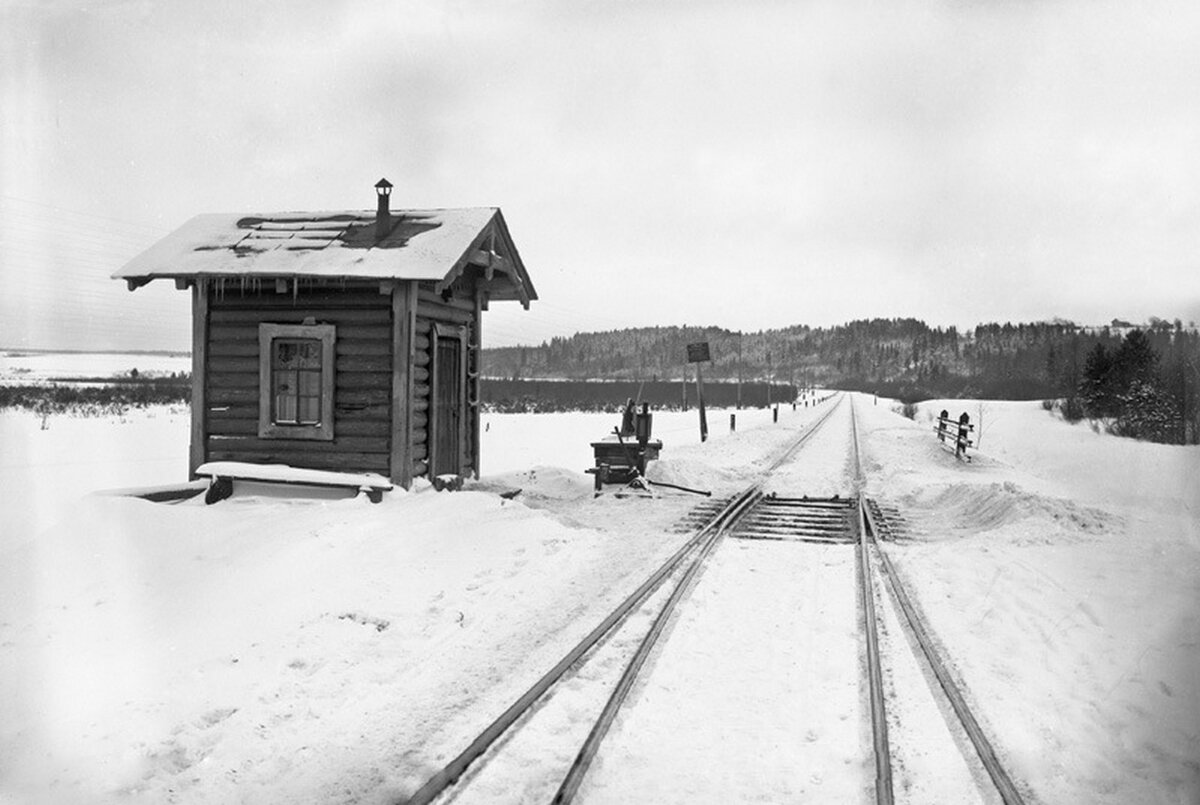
(980, 409)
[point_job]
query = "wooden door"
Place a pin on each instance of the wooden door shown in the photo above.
(447, 404)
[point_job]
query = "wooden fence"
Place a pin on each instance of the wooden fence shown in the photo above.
(955, 434)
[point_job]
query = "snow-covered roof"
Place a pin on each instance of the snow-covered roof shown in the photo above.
(418, 245)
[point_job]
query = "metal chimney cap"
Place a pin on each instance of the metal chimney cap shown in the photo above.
(383, 187)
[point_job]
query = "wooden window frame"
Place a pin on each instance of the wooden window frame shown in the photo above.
(268, 428)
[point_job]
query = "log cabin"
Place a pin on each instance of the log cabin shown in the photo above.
(344, 341)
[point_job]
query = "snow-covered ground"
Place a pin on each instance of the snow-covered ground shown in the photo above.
(271, 650)
(1061, 571)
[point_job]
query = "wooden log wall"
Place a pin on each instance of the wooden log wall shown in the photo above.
(362, 371)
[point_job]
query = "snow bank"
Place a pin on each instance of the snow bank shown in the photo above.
(42, 470)
(272, 650)
(963, 508)
(260, 650)
(1060, 571)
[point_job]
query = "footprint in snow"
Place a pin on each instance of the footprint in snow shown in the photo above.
(214, 717)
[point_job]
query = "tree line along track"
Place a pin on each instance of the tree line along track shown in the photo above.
(751, 516)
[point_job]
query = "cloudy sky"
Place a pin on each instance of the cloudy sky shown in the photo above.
(747, 165)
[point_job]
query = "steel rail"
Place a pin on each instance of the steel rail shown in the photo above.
(741, 505)
(450, 773)
(879, 728)
(983, 747)
(583, 760)
(804, 437)
(704, 538)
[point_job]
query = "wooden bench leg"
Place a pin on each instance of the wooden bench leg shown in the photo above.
(218, 490)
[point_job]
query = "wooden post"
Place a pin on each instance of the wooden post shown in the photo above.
(476, 410)
(404, 316)
(739, 383)
(700, 403)
(197, 452)
(463, 396)
(732, 422)
(769, 378)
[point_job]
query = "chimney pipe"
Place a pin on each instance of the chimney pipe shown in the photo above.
(383, 216)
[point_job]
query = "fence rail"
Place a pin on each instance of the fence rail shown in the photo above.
(956, 434)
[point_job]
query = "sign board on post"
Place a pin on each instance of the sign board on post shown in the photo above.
(698, 354)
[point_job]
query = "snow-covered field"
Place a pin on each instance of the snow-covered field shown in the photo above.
(274, 650)
(1061, 571)
(18, 366)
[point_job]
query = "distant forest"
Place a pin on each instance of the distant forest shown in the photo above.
(1142, 382)
(902, 358)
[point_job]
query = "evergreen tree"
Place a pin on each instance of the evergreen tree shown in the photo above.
(1072, 407)
(1147, 412)
(1097, 388)
(1134, 362)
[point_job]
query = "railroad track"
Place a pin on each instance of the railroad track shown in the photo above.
(875, 522)
(749, 517)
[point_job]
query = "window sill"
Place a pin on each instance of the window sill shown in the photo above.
(310, 432)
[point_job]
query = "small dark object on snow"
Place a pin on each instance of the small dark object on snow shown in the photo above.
(218, 490)
(380, 624)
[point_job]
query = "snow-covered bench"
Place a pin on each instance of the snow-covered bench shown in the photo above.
(223, 474)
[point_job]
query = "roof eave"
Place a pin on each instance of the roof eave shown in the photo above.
(481, 253)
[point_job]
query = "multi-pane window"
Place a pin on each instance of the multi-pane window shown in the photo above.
(296, 381)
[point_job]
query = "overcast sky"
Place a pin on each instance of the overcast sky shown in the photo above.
(746, 165)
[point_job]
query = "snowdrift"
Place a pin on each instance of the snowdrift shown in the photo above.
(276, 650)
